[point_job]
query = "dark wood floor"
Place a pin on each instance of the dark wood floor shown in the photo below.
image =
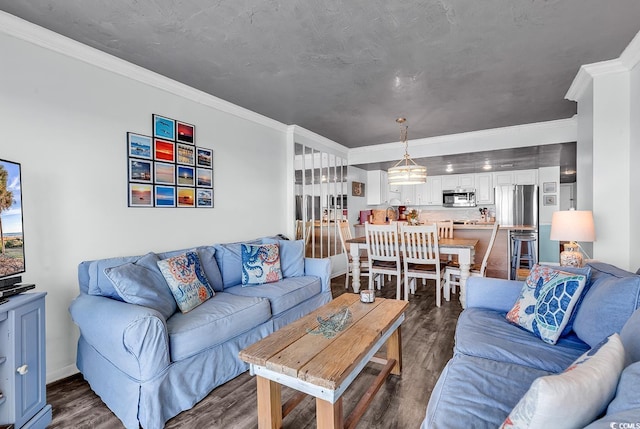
(427, 342)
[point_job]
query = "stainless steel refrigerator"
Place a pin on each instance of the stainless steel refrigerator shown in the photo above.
(517, 205)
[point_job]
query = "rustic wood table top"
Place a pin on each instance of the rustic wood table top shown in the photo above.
(295, 351)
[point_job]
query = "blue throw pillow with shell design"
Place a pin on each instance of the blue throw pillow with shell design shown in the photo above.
(547, 300)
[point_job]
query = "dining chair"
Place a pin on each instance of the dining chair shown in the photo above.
(344, 230)
(445, 230)
(383, 254)
(421, 257)
(452, 272)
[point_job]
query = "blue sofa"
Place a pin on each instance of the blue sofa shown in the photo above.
(494, 362)
(148, 367)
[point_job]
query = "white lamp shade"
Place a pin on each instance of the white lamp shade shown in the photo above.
(573, 225)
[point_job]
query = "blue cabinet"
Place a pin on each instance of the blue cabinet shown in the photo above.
(23, 362)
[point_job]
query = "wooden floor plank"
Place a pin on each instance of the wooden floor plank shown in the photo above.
(427, 344)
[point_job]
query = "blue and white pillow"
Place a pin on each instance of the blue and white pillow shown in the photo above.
(186, 279)
(260, 264)
(547, 300)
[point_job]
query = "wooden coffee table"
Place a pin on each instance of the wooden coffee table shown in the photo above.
(323, 367)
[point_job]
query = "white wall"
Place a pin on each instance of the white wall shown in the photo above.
(65, 121)
(608, 153)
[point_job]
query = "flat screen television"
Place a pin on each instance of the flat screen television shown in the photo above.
(11, 226)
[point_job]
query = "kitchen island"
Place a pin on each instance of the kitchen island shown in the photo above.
(498, 263)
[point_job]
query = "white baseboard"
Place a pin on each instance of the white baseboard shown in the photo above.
(62, 373)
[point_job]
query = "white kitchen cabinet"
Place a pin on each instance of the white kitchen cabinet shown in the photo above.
(516, 177)
(484, 188)
(525, 177)
(466, 181)
(431, 192)
(378, 189)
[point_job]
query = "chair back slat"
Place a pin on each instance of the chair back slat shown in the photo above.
(445, 229)
(382, 242)
(420, 244)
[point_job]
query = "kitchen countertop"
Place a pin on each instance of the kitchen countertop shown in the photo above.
(485, 225)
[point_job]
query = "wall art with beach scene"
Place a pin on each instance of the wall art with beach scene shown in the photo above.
(167, 169)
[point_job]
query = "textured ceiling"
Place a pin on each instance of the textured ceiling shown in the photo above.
(346, 70)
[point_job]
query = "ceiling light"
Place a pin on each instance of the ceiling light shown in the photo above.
(406, 171)
(486, 166)
(449, 168)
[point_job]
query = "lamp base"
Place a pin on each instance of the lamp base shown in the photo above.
(571, 257)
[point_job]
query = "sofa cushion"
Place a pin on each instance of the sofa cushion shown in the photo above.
(291, 256)
(187, 280)
(576, 397)
(208, 261)
(142, 283)
(546, 302)
(487, 334)
(260, 264)
(630, 335)
(611, 300)
(283, 295)
(99, 283)
(229, 258)
(477, 393)
(627, 397)
(221, 318)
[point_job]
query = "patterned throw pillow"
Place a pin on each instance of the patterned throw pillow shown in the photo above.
(575, 397)
(547, 299)
(260, 264)
(186, 279)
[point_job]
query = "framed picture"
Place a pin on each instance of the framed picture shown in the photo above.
(549, 187)
(186, 132)
(204, 197)
(186, 154)
(204, 157)
(357, 189)
(549, 200)
(165, 173)
(140, 195)
(140, 170)
(164, 150)
(205, 178)
(165, 196)
(139, 146)
(186, 197)
(185, 176)
(164, 128)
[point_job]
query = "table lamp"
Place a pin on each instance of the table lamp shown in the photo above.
(572, 226)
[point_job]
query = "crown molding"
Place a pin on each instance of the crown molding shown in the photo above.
(309, 138)
(28, 32)
(629, 58)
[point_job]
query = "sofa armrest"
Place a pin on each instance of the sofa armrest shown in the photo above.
(493, 294)
(319, 268)
(132, 337)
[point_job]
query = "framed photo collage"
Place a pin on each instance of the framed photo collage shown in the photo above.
(168, 169)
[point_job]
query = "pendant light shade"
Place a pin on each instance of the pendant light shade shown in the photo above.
(406, 171)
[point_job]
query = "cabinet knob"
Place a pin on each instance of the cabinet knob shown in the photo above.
(22, 370)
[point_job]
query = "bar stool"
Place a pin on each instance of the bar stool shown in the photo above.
(518, 257)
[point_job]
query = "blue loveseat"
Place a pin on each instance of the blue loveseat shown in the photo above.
(495, 362)
(148, 365)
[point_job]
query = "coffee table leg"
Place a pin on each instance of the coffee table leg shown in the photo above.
(269, 404)
(328, 415)
(394, 350)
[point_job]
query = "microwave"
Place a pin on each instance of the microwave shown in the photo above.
(459, 198)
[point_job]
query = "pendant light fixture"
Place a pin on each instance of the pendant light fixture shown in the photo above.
(406, 171)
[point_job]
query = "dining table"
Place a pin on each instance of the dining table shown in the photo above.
(463, 247)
